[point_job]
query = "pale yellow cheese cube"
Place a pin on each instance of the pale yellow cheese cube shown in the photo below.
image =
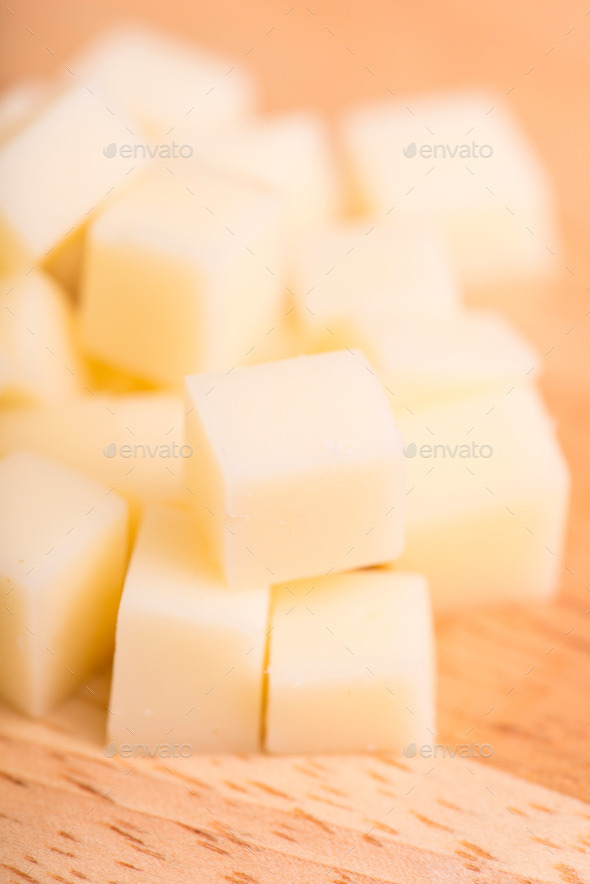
(460, 160)
(347, 272)
(166, 84)
(62, 561)
(182, 274)
(297, 467)
(189, 655)
(487, 499)
(133, 444)
(289, 152)
(38, 355)
(351, 664)
(422, 361)
(18, 105)
(54, 173)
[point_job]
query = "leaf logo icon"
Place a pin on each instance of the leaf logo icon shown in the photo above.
(110, 450)
(410, 150)
(110, 150)
(110, 750)
(410, 750)
(411, 450)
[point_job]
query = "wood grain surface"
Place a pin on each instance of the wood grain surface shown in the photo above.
(518, 679)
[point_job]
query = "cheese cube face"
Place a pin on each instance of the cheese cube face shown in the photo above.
(296, 467)
(64, 550)
(54, 173)
(351, 271)
(426, 361)
(351, 664)
(165, 84)
(182, 276)
(190, 652)
(487, 500)
(133, 444)
(291, 154)
(38, 358)
(460, 160)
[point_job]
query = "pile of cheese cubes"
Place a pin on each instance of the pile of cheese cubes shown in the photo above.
(246, 423)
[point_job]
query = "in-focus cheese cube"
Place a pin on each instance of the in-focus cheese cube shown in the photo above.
(424, 361)
(297, 467)
(190, 652)
(38, 357)
(182, 274)
(62, 562)
(54, 173)
(165, 84)
(460, 160)
(133, 444)
(351, 271)
(351, 664)
(487, 499)
(290, 153)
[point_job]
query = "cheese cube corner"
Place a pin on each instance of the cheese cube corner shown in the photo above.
(297, 467)
(63, 558)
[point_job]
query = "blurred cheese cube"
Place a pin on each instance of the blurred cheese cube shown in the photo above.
(18, 105)
(165, 84)
(54, 173)
(38, 359)
(487, 499)
(62, 562)
(350, 271)
(297, 467)
(291, 154)
(190, 652)
(423, 361)
(462, 161)
(351, 664)
(133, 444)
(182, 274)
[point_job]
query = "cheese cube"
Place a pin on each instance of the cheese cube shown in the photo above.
(54, 173)
(38, 358)
(487, 499)
(182, 275)
(165, 84)
(424, 361)
(190, 652)
(62, 562)
(351, 664)
(18, 105)
(296, 469)
(133, 444)
(460, 160)
(290, 153)
(354, 270)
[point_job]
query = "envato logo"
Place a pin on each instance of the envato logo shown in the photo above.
(448, 151)
(444, 750)
(139, 450)
(445, 450)
(145, 151)
(145, 750)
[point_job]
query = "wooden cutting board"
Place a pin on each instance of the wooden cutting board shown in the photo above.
(518, 679)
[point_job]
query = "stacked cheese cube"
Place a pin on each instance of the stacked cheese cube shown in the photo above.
(274, 429)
